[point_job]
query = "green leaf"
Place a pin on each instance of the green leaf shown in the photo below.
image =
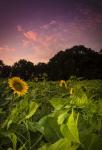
(65, 132)
(72, 125)
(58, 103)
(51, 128)
(62, 117)
(95, 143)
(91, 141)
(13, 138)
(9, 123)
(34, 127)
(44, 147)
(22, 147)
(32, 109)
(62, 144)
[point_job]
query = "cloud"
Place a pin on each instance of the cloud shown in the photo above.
(30, 35)
(27, 36)
(48, 25)
(6, 49)
(7, 54)
(40, 44)
(25, 42)
(19, 28)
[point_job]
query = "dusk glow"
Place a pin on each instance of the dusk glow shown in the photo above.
(37, 29)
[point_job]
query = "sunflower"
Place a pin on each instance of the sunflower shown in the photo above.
(18, 86)
(63, 83)
(71, 91)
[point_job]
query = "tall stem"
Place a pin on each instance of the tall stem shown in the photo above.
(28, 134)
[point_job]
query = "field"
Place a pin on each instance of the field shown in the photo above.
(63, 115)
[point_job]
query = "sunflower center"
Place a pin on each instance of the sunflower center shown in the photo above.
(18, 86)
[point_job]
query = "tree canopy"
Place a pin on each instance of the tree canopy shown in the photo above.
(78, 61)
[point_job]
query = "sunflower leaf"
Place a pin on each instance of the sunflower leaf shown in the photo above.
(32, 109)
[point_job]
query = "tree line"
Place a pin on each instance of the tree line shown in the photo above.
(77, 61)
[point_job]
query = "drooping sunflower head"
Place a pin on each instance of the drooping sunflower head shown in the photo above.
(18, 86)
(63, 83)
(71, 91)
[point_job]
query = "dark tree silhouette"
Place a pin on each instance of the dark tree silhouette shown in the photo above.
(1, 68)
(23, 69)
(4, 70)
(100, 52)
(40, 69)
(77, 61)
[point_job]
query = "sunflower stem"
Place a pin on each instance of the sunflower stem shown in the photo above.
(11, 103)
(28, 134)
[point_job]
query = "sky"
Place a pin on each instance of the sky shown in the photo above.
(36, 30)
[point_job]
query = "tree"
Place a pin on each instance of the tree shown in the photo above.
(79, 61)
(41, 69)
(4, 70)
(23, 69)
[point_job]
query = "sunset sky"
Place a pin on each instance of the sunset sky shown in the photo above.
(36, 30)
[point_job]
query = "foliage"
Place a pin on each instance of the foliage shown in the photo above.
(52, 117)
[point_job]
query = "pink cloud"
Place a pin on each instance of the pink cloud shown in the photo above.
(7, 54)
(19, 28)
(25, 43)
(46, 26)
(6, 49)
(30, 35)
(42, 45)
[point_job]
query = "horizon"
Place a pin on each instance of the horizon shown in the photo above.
(49, 58)
(36, 30)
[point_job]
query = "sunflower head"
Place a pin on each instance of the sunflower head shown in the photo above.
(63, 83)
(71, 91)
(18, 86)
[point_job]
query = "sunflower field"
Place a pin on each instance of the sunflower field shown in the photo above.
(48, 115)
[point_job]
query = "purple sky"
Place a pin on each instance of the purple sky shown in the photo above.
(37, 29)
